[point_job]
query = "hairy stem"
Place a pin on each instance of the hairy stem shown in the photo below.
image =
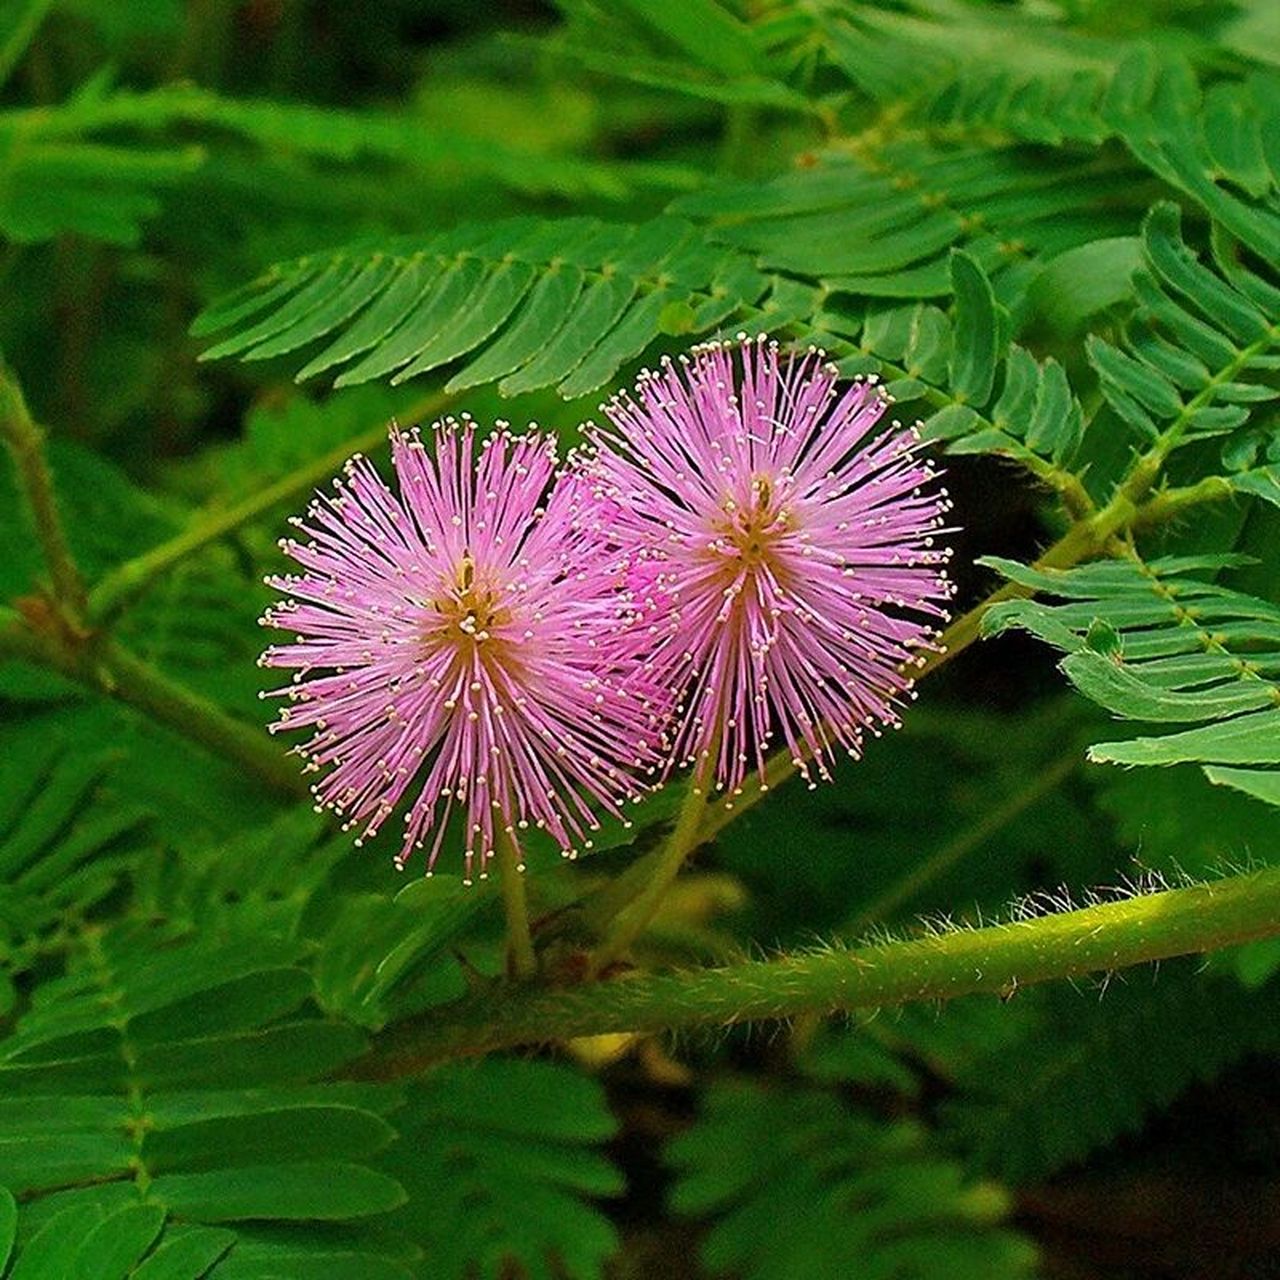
(996, 959)
(129, 580)
(25, 442)
(524, 963)
(634, 916)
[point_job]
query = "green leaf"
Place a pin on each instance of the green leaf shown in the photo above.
(1251, 739)
(50, 1254)
(703, 29)
(534, 304)
(977, 332)
(833, 1192)
(306, 1190)
(117, 1244)
(164, 1058)
(1176, 375)
(1181, 651)
(1108, 683)
(187, 1256)
(1084, 281)
(290, 1133)
(499, 1158)
(1262, 784)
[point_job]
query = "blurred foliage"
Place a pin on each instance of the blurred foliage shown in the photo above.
(1051, 226)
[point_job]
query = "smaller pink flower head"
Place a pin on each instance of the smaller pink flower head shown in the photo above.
(784, 553)
(448, 639)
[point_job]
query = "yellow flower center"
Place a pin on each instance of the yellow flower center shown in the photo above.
(469, 609)
(750, 530)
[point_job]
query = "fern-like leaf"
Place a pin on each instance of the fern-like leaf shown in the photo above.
(1153, 642)
(834, 1193)
(882, 226)
(1082, 1072)
(540, 304)
(58, 175)
(501, 1160)
(156, 1087)
(63, 848)
(1187, 364)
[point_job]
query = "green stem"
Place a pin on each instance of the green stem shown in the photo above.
(108, 669)
(972, 838)
(25, 442)
(659, 875)
(998, 959)
(1168, 504)
(524, 963)
(127, 581)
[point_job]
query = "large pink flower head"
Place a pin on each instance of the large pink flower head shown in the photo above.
(448, 640)
(786, 549)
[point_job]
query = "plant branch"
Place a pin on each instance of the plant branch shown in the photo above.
(105, 668)
(129, 580)
(25, 442)
(998, 959)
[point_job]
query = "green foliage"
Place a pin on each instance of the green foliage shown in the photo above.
(1150, 642)
(502, 1160)
(1184, 369)
(164, 1085)
(1082, 1072)
(61, 849)
(580, 299)
(55, 176)
(1051, 230)
(832, 1190)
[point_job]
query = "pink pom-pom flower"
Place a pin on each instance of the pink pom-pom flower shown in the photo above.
(448, 639)
(784, 549)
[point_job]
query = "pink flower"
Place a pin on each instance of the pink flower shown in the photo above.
(448, 640)
(785, 553)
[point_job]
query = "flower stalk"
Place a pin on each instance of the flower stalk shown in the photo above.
(635, 916)
(523, 960)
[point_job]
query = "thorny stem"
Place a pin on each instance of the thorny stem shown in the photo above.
(634, 917)
(126, 582)
(997, 959)
(511, 881)
(25, 442)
